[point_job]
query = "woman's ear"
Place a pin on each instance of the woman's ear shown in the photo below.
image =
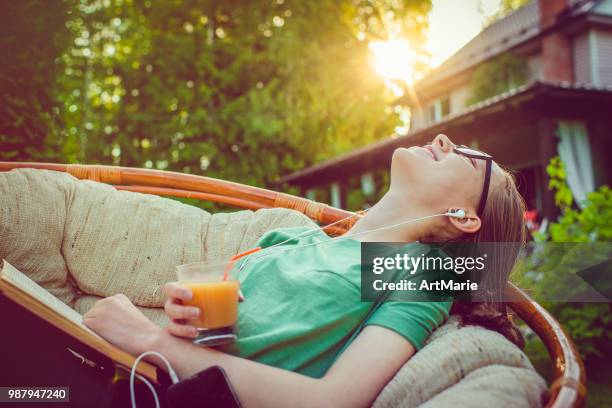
(468, 224)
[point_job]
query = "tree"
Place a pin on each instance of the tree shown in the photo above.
(32, 37)
(508, 6)
(241, 90)
(505, 7)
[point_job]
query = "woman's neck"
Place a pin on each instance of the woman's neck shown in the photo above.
(388, 211)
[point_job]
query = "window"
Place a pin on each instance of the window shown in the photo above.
(445, 106)
(431, 113)
(438, 109)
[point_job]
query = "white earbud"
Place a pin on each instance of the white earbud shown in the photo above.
(456, 213)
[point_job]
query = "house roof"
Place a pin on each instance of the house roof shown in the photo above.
(361, 155)
(506, 33)
(500, 36)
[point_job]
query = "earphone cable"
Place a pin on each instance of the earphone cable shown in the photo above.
(345, 236)
(133, 375)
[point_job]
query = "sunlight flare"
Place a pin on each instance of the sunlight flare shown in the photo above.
(394, 59)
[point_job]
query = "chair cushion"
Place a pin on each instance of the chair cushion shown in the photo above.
(33, 208)
(83, 240)
(78, 237)
(465, 366)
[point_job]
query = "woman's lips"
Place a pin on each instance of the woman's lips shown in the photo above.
(431, 152)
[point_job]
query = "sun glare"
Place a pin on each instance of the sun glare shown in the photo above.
(393, 59)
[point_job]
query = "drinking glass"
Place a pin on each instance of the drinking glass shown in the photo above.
(216, 298)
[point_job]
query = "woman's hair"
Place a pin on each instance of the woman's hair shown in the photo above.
(503, 226)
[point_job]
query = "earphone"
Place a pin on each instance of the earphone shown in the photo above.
(456, 213)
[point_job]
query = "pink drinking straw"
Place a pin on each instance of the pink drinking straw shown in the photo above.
(234, 258)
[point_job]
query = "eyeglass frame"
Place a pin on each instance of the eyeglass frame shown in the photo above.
(477, 154)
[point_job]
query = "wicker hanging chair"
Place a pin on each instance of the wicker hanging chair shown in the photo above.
(568, 387)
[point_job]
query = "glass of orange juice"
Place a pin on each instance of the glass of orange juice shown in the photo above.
(217, 300)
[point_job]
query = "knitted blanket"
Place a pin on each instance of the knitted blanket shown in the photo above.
(83, 240)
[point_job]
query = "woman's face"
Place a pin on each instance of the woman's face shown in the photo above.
(437, 177)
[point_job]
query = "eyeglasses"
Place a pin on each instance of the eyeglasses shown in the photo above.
(477, 154)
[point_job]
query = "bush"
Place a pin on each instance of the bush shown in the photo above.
(589, 324)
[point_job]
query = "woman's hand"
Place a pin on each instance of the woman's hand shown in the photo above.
(179, 313)
(116, 319)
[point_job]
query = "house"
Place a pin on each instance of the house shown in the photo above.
(562, 105)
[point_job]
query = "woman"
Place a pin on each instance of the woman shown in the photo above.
(305, 330)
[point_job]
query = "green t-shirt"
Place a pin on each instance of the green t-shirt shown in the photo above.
(302, 306)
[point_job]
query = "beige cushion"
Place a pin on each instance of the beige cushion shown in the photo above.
(33, 208)
(450, 366)
(495, 385)
(123, 242)
(115, 241)
(84, 240)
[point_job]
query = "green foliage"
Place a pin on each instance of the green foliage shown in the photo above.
(501, 74)
(591, 223)
(245, 91)
(558, 183)
(589, 324)
(32, 37)
(506, 7)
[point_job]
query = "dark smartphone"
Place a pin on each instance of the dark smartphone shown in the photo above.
(208, 388)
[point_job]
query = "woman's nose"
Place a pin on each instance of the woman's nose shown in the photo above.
(444, 143)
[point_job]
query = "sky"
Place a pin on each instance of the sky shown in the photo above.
(452, 23)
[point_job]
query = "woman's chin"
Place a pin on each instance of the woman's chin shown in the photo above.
(412, 159)
(404, 155)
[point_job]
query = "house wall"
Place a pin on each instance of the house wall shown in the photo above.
(417, 119)
(581, 58)
(557, 62)
(604, 7)
(534, 65)
(459, 97)
(592, 57)
(461, 91)
(422, 117)
(584, 58)
(604, 57)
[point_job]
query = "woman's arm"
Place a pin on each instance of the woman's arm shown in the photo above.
(354, 380)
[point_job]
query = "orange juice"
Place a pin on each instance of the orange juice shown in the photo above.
(217, 301)
(216, 298)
